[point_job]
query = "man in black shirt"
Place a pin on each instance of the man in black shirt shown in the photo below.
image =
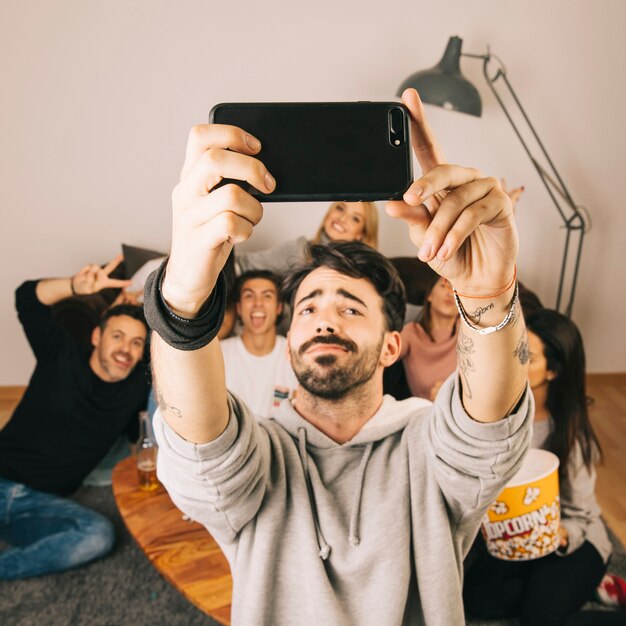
(75, 407)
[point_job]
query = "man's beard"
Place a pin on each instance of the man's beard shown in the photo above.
(330, 381)
(107, 362)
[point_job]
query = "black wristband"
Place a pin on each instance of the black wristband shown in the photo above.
(179, 332)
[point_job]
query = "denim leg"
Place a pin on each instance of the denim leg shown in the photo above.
(47, 533)
(152, 403)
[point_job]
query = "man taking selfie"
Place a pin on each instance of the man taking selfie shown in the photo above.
(347, 507)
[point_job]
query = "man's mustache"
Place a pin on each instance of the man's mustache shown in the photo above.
(350, 346)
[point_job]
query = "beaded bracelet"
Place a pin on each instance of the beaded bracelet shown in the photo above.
(510, 316)
(451, 289)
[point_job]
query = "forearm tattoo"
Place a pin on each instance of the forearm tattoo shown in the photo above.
(164, 406)
(479, 312)
(464, 350)
(522, 351)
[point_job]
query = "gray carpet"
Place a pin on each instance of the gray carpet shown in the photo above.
(124, 589)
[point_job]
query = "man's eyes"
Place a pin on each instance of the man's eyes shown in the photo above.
(250, 296)
(351, 311)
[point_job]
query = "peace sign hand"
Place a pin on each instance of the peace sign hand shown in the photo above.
(93, 278)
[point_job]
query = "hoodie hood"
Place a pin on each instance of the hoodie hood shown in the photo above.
(392, 416)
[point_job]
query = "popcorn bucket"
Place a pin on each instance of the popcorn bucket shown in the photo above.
(523, 522)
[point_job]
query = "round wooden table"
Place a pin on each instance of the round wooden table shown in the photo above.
(182, 551)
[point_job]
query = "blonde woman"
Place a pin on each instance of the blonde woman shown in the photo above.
(349, 221)
(344, 221)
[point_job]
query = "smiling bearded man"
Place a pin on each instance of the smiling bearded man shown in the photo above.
(76, 406)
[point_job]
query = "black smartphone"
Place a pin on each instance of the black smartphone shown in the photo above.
(353, 151)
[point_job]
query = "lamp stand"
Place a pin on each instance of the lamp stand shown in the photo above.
(570, 213)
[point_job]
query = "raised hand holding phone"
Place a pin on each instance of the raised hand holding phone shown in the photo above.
(207, 222)
(462, 225)
(461, 222)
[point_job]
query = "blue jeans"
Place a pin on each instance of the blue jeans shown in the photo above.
(47, 533)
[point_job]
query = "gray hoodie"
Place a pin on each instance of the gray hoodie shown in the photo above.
(372, 531)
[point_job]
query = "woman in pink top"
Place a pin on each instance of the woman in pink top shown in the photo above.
(429, 345)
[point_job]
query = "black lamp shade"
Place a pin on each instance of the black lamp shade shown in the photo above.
(444, 85)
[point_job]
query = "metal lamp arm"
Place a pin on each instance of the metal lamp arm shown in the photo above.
(550, 177)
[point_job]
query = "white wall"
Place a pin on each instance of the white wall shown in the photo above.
(98, 97)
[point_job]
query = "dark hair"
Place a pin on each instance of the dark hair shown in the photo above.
(567, 398)
(136, 312)
(357, 260)
(251, 274)
(425, 319)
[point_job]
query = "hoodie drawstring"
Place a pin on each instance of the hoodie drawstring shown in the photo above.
(324, 548)
(354, 539)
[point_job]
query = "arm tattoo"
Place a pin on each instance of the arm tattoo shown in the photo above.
(465, 348)
(479, 312)
(164, 406)
(522, 352)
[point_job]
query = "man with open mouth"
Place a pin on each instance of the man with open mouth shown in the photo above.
(256, 362)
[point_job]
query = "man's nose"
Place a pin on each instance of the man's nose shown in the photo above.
(325, 327)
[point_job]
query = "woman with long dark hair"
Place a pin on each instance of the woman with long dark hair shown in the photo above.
(429, 344)
(551, 589)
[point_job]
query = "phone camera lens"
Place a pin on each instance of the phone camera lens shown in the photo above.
(396, 121)
(396, 127)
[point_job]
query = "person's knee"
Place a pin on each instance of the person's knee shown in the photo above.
(97, 539)
(481, 598)
(106, 535)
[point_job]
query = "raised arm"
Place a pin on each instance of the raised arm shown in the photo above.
(207, 222)
(462, 225)
(91, 279)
